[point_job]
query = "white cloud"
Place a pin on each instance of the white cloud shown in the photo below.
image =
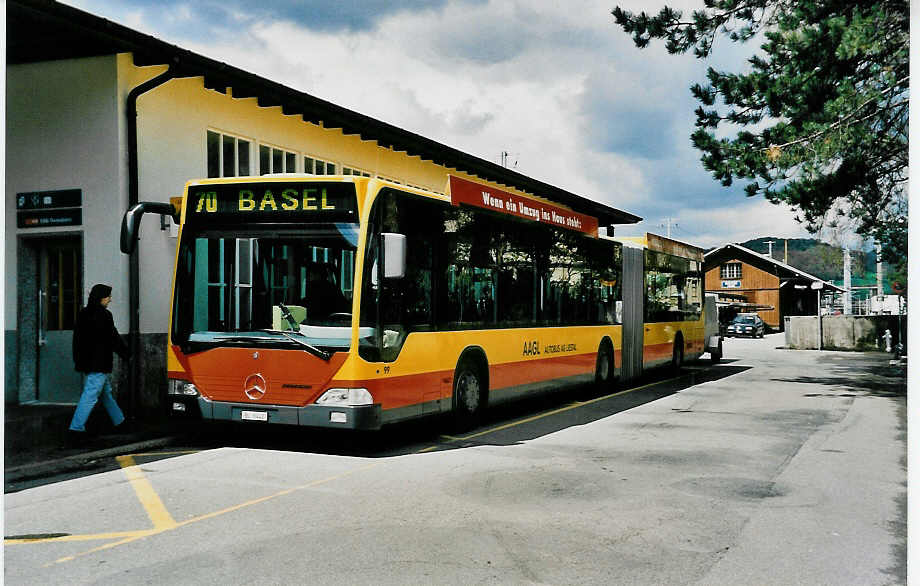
(738, 223)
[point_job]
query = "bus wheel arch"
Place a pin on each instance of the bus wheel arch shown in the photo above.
(470, 389)
(605, 366)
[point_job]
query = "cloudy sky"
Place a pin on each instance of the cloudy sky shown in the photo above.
(557, 85)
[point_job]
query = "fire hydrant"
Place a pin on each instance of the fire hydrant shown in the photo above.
(887, 338)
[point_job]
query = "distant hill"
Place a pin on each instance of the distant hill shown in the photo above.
(820, 259)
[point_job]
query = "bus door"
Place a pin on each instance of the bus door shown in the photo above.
(633, 312)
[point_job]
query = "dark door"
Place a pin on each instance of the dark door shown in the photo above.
(60, 298)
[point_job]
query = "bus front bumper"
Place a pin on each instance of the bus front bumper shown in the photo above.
(363, 417)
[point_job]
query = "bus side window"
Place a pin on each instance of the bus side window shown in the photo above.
(467, 273)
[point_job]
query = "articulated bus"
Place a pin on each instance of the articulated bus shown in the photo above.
(355, 302)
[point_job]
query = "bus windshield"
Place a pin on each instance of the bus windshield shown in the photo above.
(284, 287)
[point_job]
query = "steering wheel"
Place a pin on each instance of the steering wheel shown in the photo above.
(340, 317)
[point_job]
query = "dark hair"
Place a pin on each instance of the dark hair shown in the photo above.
(97, 294)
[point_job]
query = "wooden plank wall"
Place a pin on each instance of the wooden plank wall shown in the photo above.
(757, 286)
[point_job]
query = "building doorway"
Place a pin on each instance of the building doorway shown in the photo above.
(50, 296)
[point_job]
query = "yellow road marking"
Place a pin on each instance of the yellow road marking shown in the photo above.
(148, 497)
(163, 529)
(163, 521)
(83, 537)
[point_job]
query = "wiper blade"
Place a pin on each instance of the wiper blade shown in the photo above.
(239, 339)
(318, 352)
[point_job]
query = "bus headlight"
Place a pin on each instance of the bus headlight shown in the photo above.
(181, 387)
(350, 397)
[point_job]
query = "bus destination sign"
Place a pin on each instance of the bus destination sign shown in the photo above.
(272, 202)
(471, 193)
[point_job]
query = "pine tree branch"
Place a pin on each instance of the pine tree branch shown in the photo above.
(840, 122)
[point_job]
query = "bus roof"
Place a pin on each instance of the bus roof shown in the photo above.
(660, 243)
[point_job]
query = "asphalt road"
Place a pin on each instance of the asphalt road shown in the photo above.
(774, 467)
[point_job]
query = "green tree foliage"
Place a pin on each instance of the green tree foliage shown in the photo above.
(820, 120)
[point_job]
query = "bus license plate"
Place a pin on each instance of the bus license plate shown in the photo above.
(254, 415)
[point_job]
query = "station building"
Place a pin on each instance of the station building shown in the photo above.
(749, 282)
(99, 117)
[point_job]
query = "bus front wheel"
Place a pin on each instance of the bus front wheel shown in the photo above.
(469, 396)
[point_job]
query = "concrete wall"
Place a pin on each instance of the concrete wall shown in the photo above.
(841, 332)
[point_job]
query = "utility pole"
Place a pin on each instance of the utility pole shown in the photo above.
(770, 244)
(847, 282)
(878, 270)
(785, 250)
(668, 224)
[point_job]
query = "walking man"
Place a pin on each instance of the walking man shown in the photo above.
(94, 340)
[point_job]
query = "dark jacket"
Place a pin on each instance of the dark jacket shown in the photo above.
(95, 339)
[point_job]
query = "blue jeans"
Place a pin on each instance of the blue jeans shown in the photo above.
(95, 384)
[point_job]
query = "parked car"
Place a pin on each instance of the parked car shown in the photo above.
(746, 324)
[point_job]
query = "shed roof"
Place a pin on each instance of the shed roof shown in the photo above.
(43, 30)
(730, 251)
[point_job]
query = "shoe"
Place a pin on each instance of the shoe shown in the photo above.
(123, 427)
(76, 439)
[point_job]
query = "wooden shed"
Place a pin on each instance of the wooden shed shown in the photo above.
(746, 279)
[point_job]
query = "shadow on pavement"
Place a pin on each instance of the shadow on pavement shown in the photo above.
(507, 424)
(855, 376)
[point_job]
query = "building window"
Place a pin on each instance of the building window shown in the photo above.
(731, 270)
(228, 156)
(275, 160)
(318, 166)
(357, 172)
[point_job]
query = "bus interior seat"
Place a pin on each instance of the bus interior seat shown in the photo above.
(279, 323)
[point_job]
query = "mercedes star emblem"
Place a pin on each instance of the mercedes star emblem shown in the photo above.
(255, 386)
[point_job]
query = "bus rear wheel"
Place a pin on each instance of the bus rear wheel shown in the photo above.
(469, 396)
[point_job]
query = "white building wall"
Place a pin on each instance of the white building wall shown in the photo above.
(62, 133)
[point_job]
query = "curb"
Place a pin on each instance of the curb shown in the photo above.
(46, 467)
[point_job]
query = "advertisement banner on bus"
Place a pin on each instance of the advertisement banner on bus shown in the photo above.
(471, 193)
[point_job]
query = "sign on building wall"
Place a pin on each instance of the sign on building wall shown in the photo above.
(733, 284)
(46, 209)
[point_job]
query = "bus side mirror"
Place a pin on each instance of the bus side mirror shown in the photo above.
(394, 255)
(131, 222)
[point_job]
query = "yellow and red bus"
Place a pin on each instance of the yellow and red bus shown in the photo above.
(355, 302)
